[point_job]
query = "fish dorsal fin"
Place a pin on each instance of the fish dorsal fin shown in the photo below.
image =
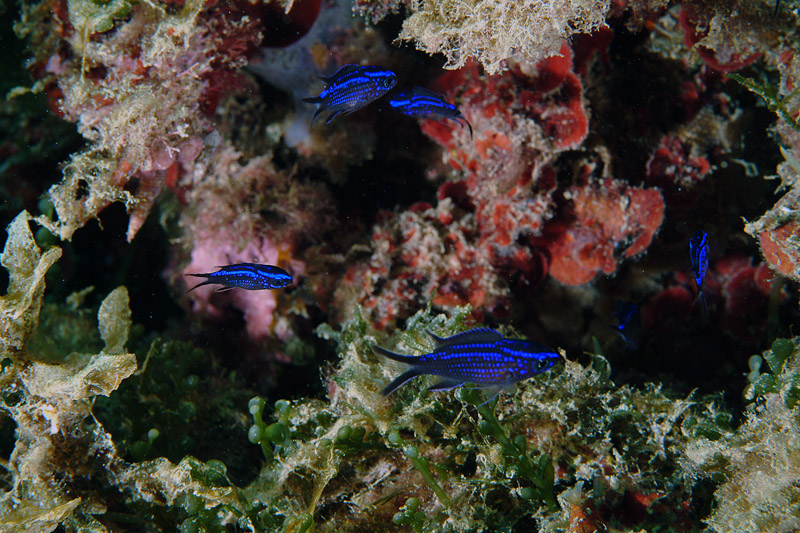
(422, 91)
(540, 348)
(473, 335)
(344, 69)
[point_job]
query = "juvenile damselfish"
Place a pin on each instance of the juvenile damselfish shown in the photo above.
(250, 276)
(481, 356)
(698, 253)
(350, 88)
(420, 102)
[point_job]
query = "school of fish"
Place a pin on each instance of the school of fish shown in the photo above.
(482, 357)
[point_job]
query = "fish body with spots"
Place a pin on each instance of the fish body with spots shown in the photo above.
(248, 276)
(350, 88)
(481, 356)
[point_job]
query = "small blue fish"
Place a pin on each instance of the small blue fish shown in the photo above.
(698, 252)
(350, 88)
(420, 102)
(250, 276)
(481, 356)
(629, 323)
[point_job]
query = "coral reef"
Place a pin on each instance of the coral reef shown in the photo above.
(777, 229)
(606, 133)
(249, 213)
(612, 222)
(49, 403)
(65, 464)
(140, 95)
(493, 216)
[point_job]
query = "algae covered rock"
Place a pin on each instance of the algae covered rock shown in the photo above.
(26, 265)
(50, 404)
(759, 463)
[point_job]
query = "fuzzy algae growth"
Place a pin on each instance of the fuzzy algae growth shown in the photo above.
(49, 402)
(759, 462)
(568, 445)
(64, 464)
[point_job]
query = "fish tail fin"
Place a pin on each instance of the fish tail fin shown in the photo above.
(701, 297)
(312, 100)
(468, 125)
(400, 380)
(409, 359)
(205, 282)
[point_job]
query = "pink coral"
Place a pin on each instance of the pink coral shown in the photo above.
(137, 94)
(696, 27)
(491, 229)
(745, 292)
(421, 252)
(257, 306)
(249, 213)
(535, 107)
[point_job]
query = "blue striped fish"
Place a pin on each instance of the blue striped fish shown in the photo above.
(249, 276)
(420, 102)
(350, 88)
(481, 356)
(698, 253)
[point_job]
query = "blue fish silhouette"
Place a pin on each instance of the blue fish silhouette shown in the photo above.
(420, 102)
(249, 276)
(698, 253)
(629, 325)
(350, 88)
(481, 356)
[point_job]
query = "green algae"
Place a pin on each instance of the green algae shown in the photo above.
(565, 443)
(356, 460)
(757, 463)
(771, 96)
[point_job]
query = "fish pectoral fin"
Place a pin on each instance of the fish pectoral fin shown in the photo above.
(491, 393)
(445, 384)
(509, 388)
